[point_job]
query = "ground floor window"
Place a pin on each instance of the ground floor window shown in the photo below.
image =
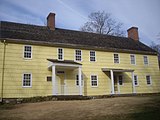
(120, 79)
(135, 80)
(77, 80)
(148, 79)
(27, 79)
(94, 80)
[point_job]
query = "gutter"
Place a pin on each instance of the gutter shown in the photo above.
(3, 67)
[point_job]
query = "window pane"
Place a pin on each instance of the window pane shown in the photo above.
(116, 58)
(27, 51)
(27, 80)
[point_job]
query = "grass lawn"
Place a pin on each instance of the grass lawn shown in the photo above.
(119, 108)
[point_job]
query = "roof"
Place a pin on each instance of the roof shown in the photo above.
(42, 34)
(116, 70)
(64, 61)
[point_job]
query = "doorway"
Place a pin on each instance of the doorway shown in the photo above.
(61, 82)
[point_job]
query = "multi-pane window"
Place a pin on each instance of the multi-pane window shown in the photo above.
(148, 79)
(116, 58)
(78, 55)
(60, 54)
(92, 56)
(135, 80)
(77, 80)
(120, 80)
(27, 80)
(133, 60)
(145, 58)
(27, 52)
(94, 80)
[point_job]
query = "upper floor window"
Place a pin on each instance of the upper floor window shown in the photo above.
(116, 58)
(94, 80)
(27, 79)
(27, 52)
(60, 54)
(148, 79)
(135, 80)
(145, 58)
(133, 59)
(92, 56)
(77, 80)
(78, 55)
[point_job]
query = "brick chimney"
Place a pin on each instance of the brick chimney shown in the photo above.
(51, 21)
(133, 33)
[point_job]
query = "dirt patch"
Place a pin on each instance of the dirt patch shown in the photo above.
(101, 109)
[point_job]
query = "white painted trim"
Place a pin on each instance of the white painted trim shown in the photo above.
(118, 58)
(31, 52)
(62, 64)
(150, 80)
(134, 59)
(54, 87)
(112, 82)
(91, 80)
(62, 54)
(90, 56)
(30, 80)
(75, 55)
(80, 79)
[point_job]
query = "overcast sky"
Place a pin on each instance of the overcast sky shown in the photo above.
(72, 14)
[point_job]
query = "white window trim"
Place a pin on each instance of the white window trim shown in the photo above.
(30, 83)
(81, 81)
(75, 55)
(134, 59)
(90, 56)
(118, 57)
(31, 52)
(62, 54)
(91, 80)
(137, 81)
(147, 60)
(150, 80)
(122, 80)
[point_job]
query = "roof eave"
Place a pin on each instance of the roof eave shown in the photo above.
(46, 43)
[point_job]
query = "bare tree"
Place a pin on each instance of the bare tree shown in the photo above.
(103, 23)
(156, 47)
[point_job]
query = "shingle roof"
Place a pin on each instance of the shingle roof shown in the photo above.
(64, 61)
(76, 38)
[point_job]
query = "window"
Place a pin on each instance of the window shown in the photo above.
(135, 80)
(92, 56)
(133, 61)
(145, 60)
(94, 81)
(148, 79)
(60, 54)
(27, 52)
(116, 58)
(49, 78)
(78, 55)
(77, 80)
(120, 80)
(27, 77)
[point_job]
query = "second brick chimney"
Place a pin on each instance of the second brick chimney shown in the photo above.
(133, 33)
(51, 21)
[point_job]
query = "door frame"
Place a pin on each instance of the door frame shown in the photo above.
(62, 72)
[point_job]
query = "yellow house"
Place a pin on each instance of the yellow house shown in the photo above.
(44, 60)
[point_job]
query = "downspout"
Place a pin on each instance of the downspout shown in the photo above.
(3, 67)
